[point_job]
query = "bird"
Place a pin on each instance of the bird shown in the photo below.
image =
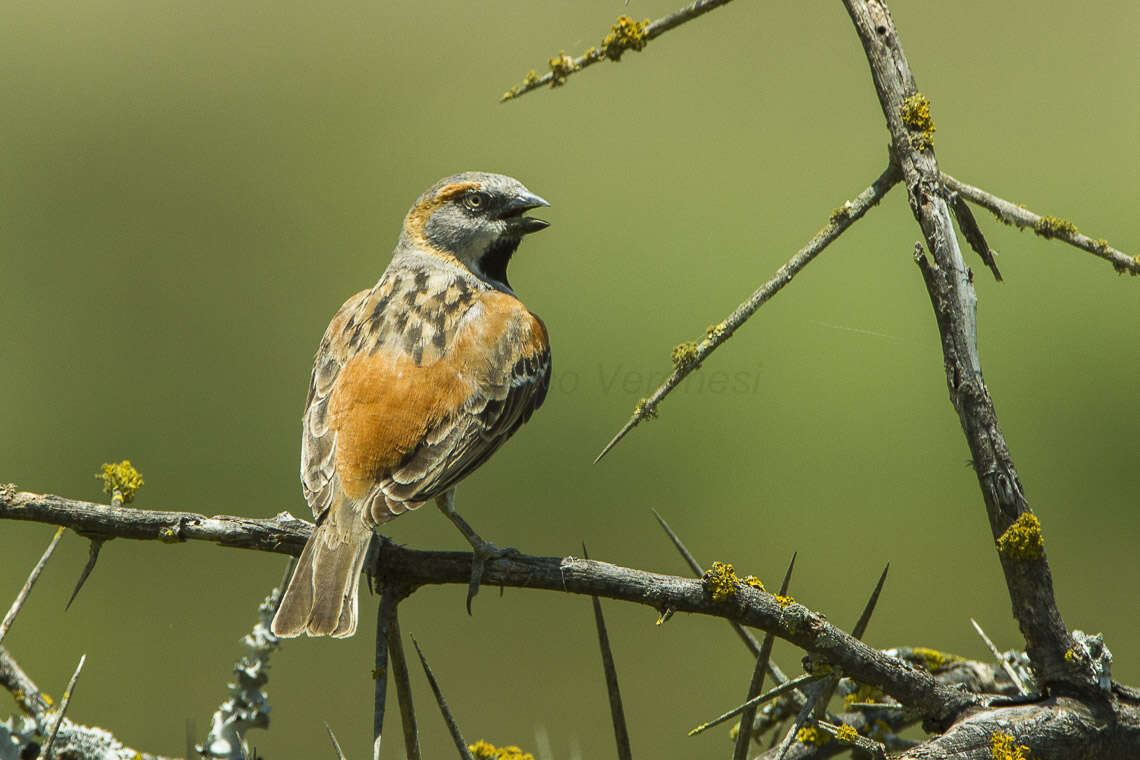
(416, 382)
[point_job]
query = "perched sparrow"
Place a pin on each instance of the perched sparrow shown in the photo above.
(417, 381)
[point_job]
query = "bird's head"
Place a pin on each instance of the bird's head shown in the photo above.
(477, 218)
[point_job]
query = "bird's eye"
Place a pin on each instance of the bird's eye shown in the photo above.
(475, 201)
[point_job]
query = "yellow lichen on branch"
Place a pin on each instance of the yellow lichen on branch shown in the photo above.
(120, 480)
(482, 750)
(847, 734)
(721, 582)
(1004, 747)
(626, 34)
(1053, 226)
(562, 66)
(916, 116)
(1023, 540)
(812, 735)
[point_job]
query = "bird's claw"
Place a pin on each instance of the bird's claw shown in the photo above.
(488, 552)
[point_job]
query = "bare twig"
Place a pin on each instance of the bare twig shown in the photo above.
(802, 719)
(1045, 226)
(26, 589)
(335, 743)
(1009, 671)
(627, 34)
(688, 357)
(63, 705)
(282, 533)
(850, 736)
(784, 688)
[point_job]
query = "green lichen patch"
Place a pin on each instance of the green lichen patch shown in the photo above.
(1023, 540)
(121, 479)
(1054, 226)
(626, 34)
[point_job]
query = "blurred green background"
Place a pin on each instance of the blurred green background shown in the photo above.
(190, 190)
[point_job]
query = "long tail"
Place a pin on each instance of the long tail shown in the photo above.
(322, 594)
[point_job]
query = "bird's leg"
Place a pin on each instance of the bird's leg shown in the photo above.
(483, 550)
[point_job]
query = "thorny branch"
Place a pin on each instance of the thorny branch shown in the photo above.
(1045, 226)
(409, 568)
(626, 34)
(1084, 700)
(688, 357)
(951, 289)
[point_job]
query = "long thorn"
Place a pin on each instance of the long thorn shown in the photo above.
(22, 596)
(403, 689)
(63, 707)
(827, 688)
(387, 609)
(864, 619)
(617, 712)
(744, 735)
(92, 557)
(448, 718)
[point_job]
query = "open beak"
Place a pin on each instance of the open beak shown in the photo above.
(519, 205)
